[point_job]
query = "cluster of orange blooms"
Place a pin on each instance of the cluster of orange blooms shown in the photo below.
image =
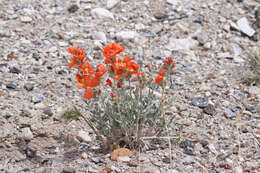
(89, 77)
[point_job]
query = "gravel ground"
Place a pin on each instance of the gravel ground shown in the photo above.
(210, 40)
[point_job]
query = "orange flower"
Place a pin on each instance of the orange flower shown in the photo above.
(86, 68)
(119, 66)
(89, 93)
(140, 74)
(108, 82)
(81, 80)
(101, 70)
(160, 76)
(133, 67)
(158, 79)
(77, 56)
(110, 50)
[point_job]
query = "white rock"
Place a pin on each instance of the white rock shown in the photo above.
(244, 27)
(181, 44)
(213, 149)
(84, 136)
(172, 2)
(63, 44)
(26, 19)
(112, 3)
(27, 133)
(238, 170)
(101, 13)
(126, 35)
(254, 90)
(101, 36)
(123, 159)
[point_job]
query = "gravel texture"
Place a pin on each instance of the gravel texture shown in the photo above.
(210, 42)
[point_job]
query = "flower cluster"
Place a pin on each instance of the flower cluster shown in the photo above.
(89, 77)
(166, 67)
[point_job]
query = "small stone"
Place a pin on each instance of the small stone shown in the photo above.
(181, 44)
(257, 155)
(27, 133)
(160, 15)
(14, 70)
(28, 86)
(47, 111)
(188, 160)
(186, 144)
(238, 170)
(26, 19)
(244, 27)
(213, 149)
(73, 8)
(112, 3)
(31, 153)
(68, 170)
(210, 109)
(172, 2)
(188, 152)
(36, 70)
(37, 99)
(101, 36)
(257, 16)
(257, 108)
(84, 136)
(101, 13)
(201, 102)
(224, 55)
(95, 159)
(204, 143)
(254, 90)
(11, 86)
(198, 19)
(18, 156)
(123, 159)
(229, 114)
(126, 35)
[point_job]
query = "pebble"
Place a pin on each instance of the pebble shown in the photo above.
(229, 114)
(112, 3)
(198, 19)
(172, 2)
(27, 133)
(101, 13)
(160, 15)
(101, 36)
(126, 35)
(123, 159)
(181, 44)
(31, 153)
(29, 86)
(95, 159)
(37, 99)
(189, 152)
(14, 70)
(188, 160)
(201, 102)
(11, 86)
(73, 8)
(238, 169)
(244, 27)
(257, 16)
(212, 148)
(209, 109)
(69, 170)
(84, 136)
(47, 111)
(26, 19)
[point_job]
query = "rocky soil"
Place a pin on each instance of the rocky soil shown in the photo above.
(210, 42)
